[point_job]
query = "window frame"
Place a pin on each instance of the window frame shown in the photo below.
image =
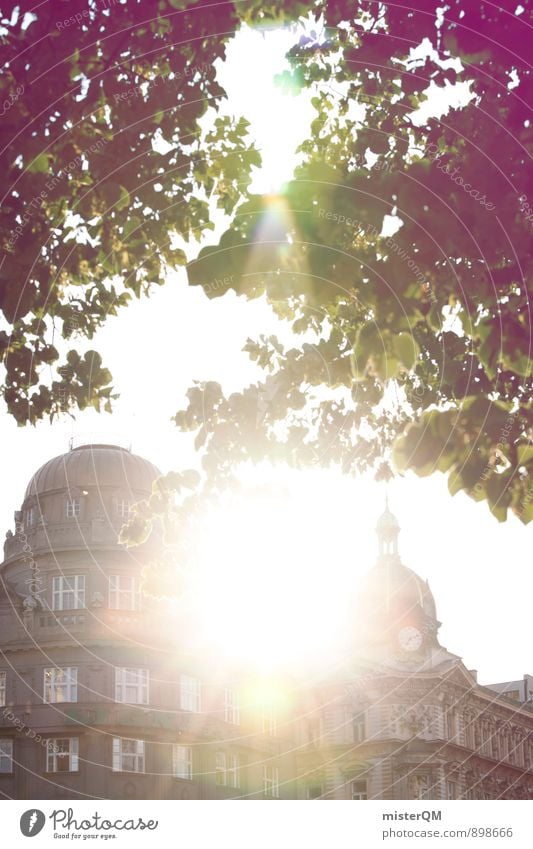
(73, 507)
(232, 708)
(6, 743)
(227, 769)
(221, 769)
(70, 684)
(142, 684)
(233, 770)
(121, 512)
(190, 693)
(3, 687)
(269, 722)
(59, 592)
(178, 748)
(118, 755)
(359, 728)
(53, 756)
(270, 782)
(358, 794)
(116, 593)
(311, 787)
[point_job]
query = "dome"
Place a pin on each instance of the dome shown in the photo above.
(397, 587)
(94, 466)
(387, 521)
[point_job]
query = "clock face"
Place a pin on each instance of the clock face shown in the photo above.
(410, 638)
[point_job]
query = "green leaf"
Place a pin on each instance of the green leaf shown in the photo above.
(455, 482)
(124, 199)
(40, 164)
(406, 349)
(524, 454)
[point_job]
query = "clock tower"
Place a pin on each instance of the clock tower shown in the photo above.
(396, 615)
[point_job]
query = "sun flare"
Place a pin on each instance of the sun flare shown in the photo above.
(262, 587)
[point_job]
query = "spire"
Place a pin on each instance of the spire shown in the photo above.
(387, 530)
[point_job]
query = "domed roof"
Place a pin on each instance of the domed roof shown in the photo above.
(396, 587)
(94, 465)
(387, 520)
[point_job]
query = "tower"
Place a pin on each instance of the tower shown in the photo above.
(396, 614)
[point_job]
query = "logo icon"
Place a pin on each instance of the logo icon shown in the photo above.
(32, 822)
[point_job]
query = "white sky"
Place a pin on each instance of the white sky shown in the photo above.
(476, 568)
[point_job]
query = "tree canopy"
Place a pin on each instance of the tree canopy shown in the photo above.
(400, 253)
(106, 173)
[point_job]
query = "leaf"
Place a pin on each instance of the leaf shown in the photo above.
(524, 454)
(455, 482)
(40, 165)
(406, 349)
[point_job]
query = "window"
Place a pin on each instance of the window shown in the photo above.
(358, 790)
(269, 724)
(313, 731)
(61, 684)
(6, 755)
(450, 790)
(3, 680)
(420, 786)
(233, 771)
(68, 593)
(62, 754)
(270, 782)
(231, 707)
(190, 694)
(30, 517)
(449, 723)
(124, 593)
(128, 755)
(123, 508)
(220, 768)
(131, 685)
(359, 728)
(73, 508)
(226, 769)
(182, 762)
(314, 792)
(512, 694)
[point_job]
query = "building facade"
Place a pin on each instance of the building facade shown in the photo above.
(100, 698)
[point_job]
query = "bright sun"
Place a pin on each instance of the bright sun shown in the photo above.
(269, 585)
(278, 121)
